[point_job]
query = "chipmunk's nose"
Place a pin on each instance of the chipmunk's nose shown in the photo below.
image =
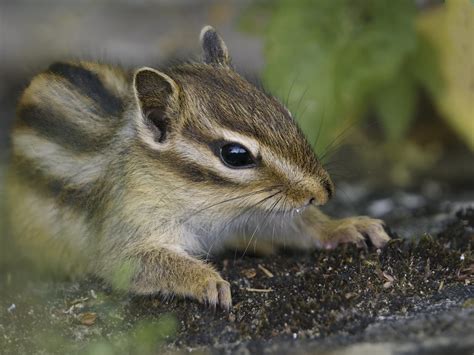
(320, 200)
(321, 195)
(317, 201)
(314, 192)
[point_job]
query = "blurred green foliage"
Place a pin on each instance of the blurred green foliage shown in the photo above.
(46, 319)
(450, 30)
(122, 276)
(334, 62)
(145, 338)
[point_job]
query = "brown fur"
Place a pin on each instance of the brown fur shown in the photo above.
(120, 173)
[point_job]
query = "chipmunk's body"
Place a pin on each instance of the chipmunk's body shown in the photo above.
(142, 174)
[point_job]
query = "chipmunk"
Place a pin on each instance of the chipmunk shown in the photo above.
(140, 174)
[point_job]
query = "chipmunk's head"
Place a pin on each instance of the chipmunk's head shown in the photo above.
(229, 140)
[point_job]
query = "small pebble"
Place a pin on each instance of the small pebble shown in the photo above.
(249, 273)
(87, 318)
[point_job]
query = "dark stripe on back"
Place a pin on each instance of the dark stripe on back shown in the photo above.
(59, 129)
(79, 197)
(90, 85)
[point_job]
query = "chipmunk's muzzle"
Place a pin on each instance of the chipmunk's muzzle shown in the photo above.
(313, 192)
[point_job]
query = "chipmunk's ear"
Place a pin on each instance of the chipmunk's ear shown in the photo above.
(157, 97)
(214, 48)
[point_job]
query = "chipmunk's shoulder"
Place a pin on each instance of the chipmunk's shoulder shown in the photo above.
(74, 104)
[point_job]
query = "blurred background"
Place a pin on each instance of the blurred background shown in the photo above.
(384, 89)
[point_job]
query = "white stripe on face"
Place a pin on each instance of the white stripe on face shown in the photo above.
(203, 156)
(250, 143)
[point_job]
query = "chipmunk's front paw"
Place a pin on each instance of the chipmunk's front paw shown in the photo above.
(355, 230)
(213, 290)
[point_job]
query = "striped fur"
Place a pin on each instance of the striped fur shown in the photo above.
(112, 170)
(66, 120)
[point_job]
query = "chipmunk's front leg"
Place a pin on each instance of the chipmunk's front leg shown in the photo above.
(162, 270)
(328, 233)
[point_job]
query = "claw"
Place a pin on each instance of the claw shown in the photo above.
(352, 230)
(217, 293)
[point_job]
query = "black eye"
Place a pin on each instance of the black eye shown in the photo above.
(235, 155)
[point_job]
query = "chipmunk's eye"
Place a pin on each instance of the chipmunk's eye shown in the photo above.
(235, 155)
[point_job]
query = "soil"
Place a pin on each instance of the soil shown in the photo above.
(416, 295)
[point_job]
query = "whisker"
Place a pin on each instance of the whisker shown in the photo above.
(348, 200)
(339, 139)
(321, 122)
(300, 101)
(265, 219)
(227, 200)
(287, 100)
(301, 115)
(254, 211)
(252, 207)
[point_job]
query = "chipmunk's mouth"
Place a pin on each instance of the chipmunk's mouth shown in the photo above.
(288, 208)
(291, 211)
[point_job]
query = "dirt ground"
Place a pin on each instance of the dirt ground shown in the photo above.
(417, 295)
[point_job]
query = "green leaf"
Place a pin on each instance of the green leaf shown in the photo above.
(395, 105)
(331, 59)
(450, 31)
